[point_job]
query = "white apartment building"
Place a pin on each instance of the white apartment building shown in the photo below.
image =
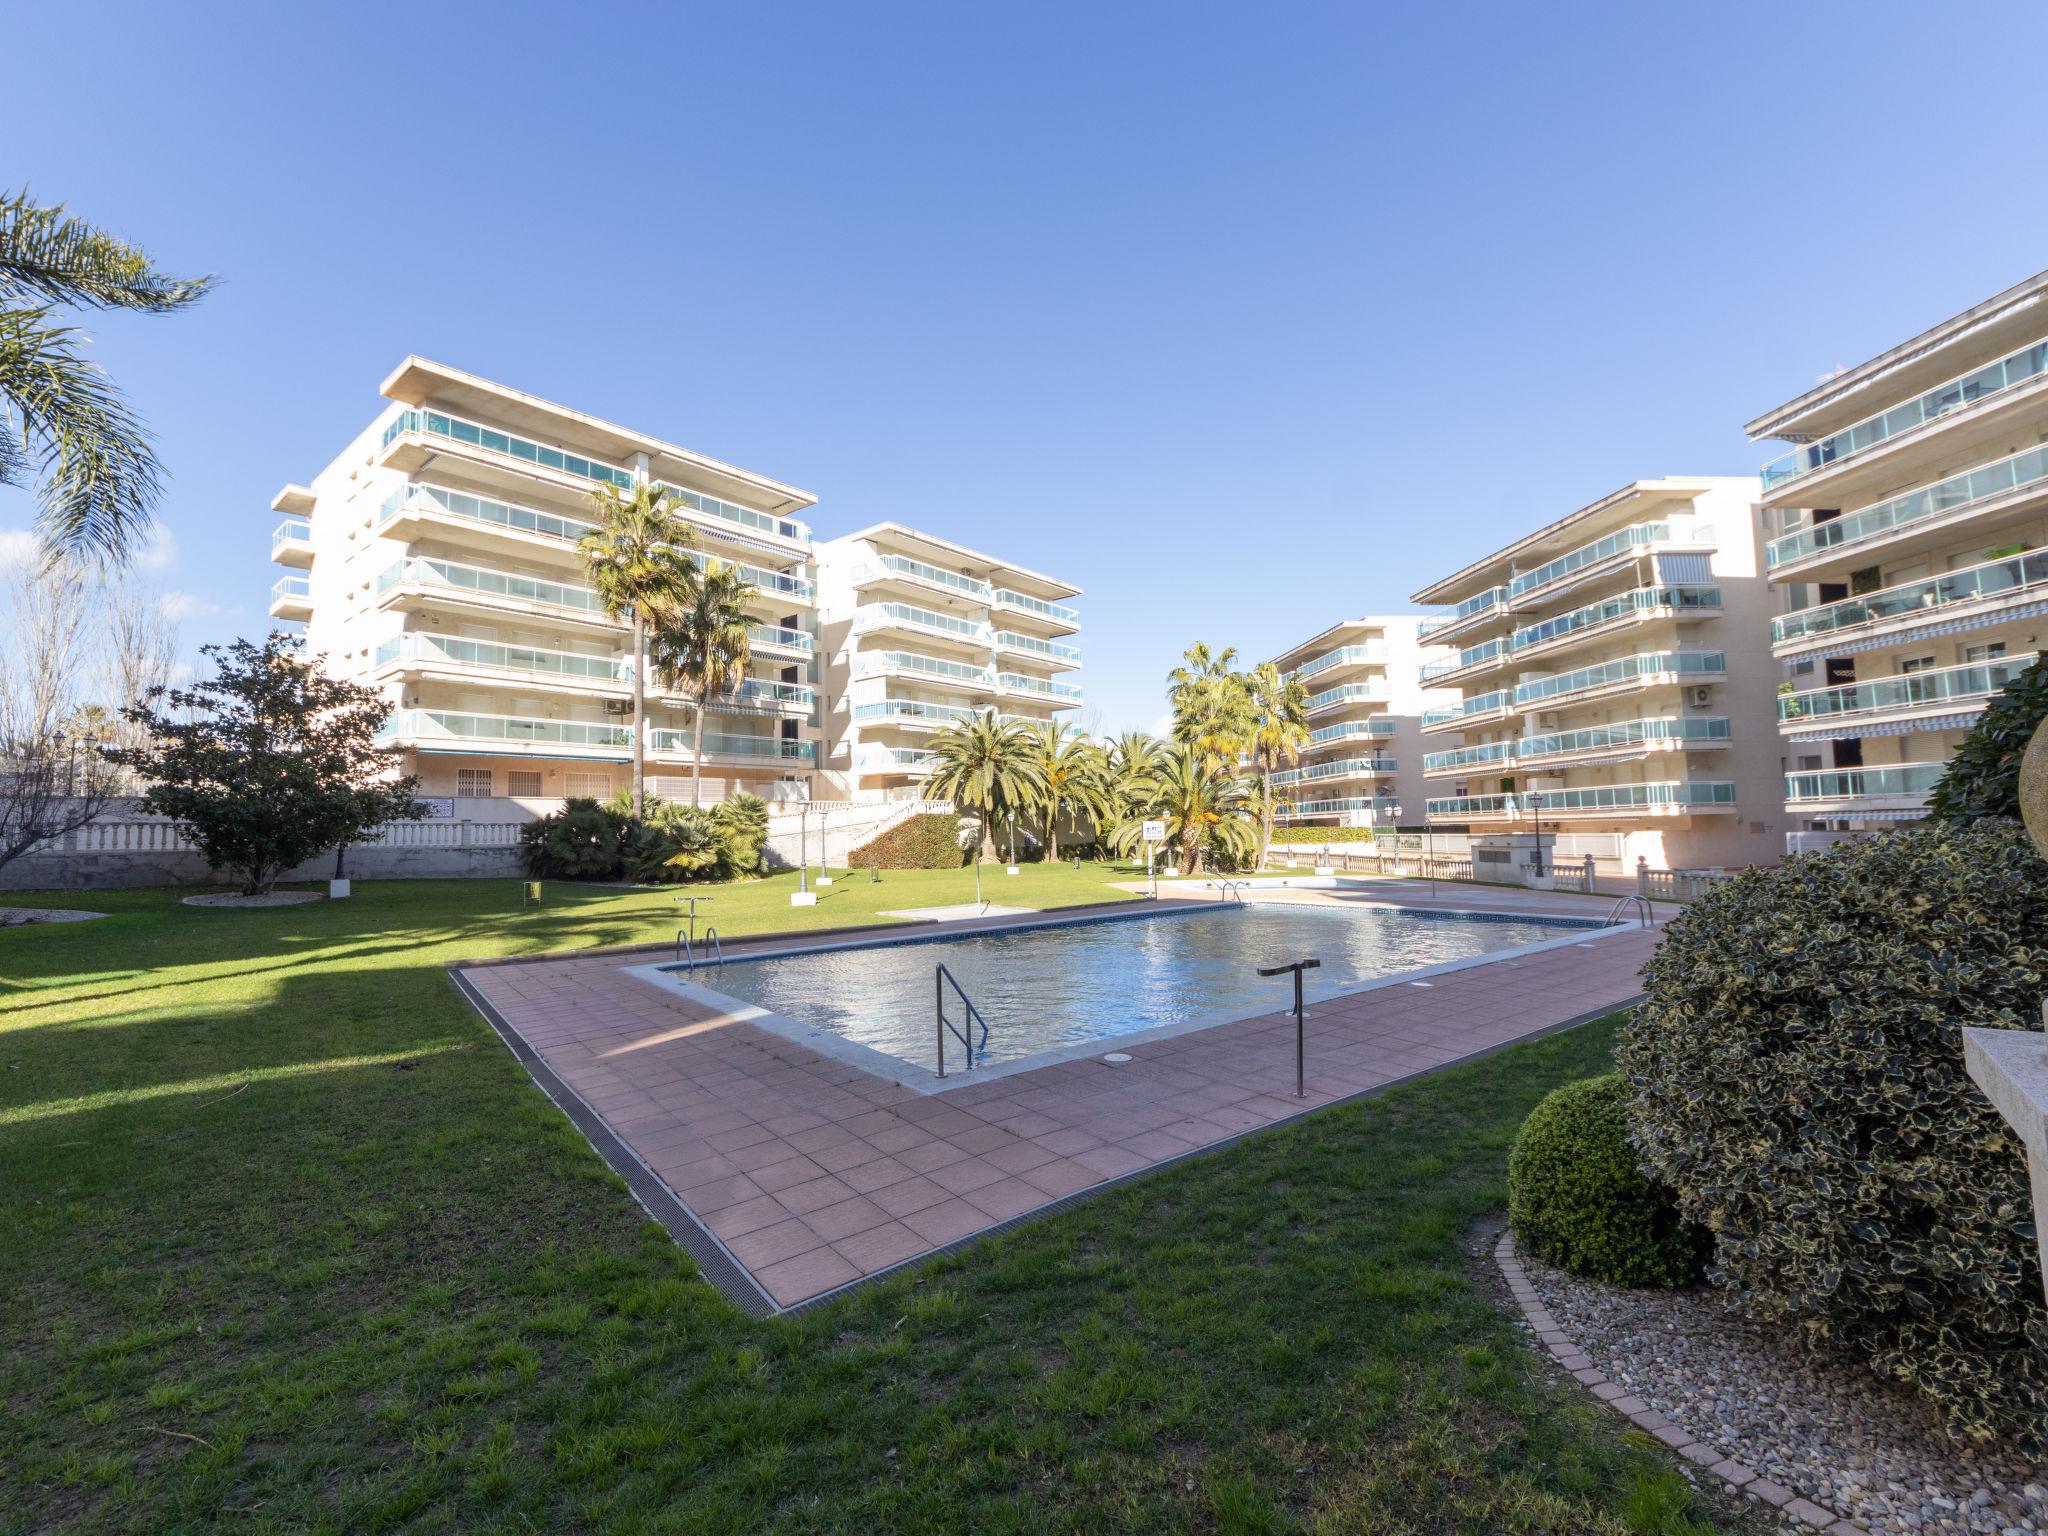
(435, 558)
(1616, 687)
(1363, 764)
(1910, 533)
(916, 632)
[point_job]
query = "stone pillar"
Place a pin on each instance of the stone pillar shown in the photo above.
(2011, 1066)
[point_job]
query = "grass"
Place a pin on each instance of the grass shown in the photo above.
(290, 1242)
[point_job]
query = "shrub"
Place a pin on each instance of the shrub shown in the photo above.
(1315, 837)
(927, 841)
(1798, 1079)
(678, 842)
(742, 823)
(1578, 1196)
(1983, 778)
(581, 841)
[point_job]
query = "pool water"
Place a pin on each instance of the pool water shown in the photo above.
(1044, 988)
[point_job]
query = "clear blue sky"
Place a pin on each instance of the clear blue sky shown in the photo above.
(1244, 318)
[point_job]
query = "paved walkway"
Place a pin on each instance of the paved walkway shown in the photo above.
(812, 1173)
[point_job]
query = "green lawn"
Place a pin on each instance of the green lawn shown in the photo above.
(289, 1242)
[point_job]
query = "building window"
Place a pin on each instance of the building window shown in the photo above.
(1916, 664)
(523, 783)
(473, 783)
(1992, 652)
(594, 786)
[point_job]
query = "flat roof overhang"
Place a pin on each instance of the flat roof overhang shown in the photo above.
(964, 559)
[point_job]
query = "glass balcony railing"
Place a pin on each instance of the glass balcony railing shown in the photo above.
(1471, 656)
(291, 534)
(1346, 655)
(1347, 693)
(733, 512)
(482, 509)
(1014, 682)
(875, 663)
(456, 430)
(1674, 600)
(1469, 805)
(1667, 731)
(1468, 757)
(1655, 664)
(914, 709)
(424, 571)
(871, 616)
(1343, 768)
(416, 646)
(1352, 730)
(1909, 690)
(903, 565)
(422, 723)
(1332, 807)
(1979, 384)
(1472, 607)
(290, 586)
(1957, 493)
(1478, 704)
(719, 744)
(1590, 797)
(1620, 542)
(755, 576)
(1003, 597)
(887, 759)
(1856, 783)
(1992, 579)
(779, 634)
(766, 691)
(1038, 647)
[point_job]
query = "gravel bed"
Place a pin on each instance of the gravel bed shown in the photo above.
(1820, 1424)
(273, 899)
(16, 917)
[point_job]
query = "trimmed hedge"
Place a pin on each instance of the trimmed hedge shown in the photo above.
(927, 841)
(1578, 1196)
(1797, 1075)
(1317, 836)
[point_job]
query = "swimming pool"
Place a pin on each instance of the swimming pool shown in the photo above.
(1051, 987)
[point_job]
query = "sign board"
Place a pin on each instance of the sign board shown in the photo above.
(1155, 831)
(438, 809)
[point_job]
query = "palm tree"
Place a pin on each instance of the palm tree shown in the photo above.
(1202, 801)
(1279, 730)
(987, 767)
(637, 559)
(1211, 710)
(703, 642)
(63, 424)
(1076, 779)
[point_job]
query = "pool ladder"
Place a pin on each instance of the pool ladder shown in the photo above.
(1231, 890)
(686, 948)
(941, 979)
(1641, 906)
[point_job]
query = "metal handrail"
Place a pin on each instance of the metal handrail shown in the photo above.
(684, 954)
(1645, 913)
(717, 948)
(945, 1025)
(1224, 888)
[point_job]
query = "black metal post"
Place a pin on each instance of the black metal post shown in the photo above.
(1300, 1016)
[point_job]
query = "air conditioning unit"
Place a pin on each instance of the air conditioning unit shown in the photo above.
(1547, 722)
(1699, 695)
(618, 706)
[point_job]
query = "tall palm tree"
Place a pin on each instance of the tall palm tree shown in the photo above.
(1211, 709)
(1279, 730)
(987, 767)
(64, 425)
(638, 561)
(702, 642)
(1075, 778)
(1202, 801)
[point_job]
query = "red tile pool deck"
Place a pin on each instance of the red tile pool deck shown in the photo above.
(812, 1174)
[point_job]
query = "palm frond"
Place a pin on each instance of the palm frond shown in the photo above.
(48, 255)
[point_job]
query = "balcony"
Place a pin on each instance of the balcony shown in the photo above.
(759, 696)
(1980, 384)
(443, 730)
(780, 584)
(903, 568)
(1893, 792)
(1342, 768)
(677, 743)
(519, 452)
(1656, 669)
(1938, 699)
(421, 576)
(909, 664)
(1343, 656)
(738, 516)
(877, 760)
(1477, 658)
(1063, 695)
(916, 713)
(1046, 652)
(1345, 695)
(1487, 606)
(291, 543)
(1623, 741)
(416, 650)
(1611, 552)
(1988, 487)
(1669, 798)
(1056, 615)
(1479, 707)
(880, 618)
(1979, 595)
(1334, 808)
(1613, 612)
(1366, 731)
(291, 597)
(1488, 754)
(779, 639)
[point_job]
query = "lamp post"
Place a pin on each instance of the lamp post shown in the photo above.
(803, 895)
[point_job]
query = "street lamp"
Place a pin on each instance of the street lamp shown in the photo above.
(803, 895)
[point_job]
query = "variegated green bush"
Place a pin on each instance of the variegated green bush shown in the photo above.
(1797, 1077)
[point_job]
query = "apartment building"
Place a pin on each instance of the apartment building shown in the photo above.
(1615, 683)
(435, 559)
(917, 632)
(1909, 531)
(1363, 764)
